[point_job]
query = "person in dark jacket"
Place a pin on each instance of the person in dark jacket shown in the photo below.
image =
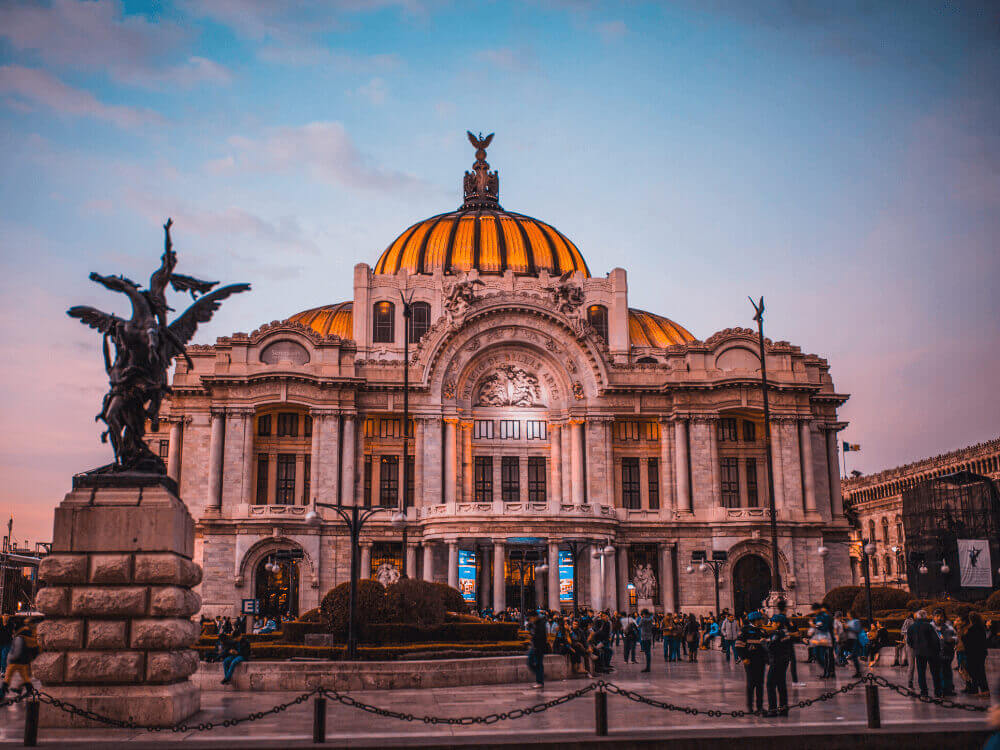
(974, 638)
(691, 631)
(751, 648)
(23, 649)
(926, 645)
(536, 651)
(6, 639)
(779, 656)
(238, 651)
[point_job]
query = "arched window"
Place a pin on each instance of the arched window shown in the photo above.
(597, 316)
(887, 563)
(885, 530)
(420, 320)
(646, 361)
(383, 322)
(874, 564)
(871, 532)
(899, 531)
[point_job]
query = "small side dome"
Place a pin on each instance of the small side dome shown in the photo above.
(649, 329)
(329, 320)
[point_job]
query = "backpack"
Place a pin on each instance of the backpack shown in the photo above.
(633, 631)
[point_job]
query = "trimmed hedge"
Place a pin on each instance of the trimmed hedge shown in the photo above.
(883, 597)
(841, 598)
(277, 635)
(312, 615)
(411, 600)
(457, 632)
(992, 602)
(383, 653)
(452, 599)
(371, 606)
(296, 632)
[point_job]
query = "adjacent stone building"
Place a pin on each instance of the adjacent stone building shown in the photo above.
(876, 500)
(546, 415)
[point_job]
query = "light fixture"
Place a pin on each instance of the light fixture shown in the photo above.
(822, 550)
(399, 519)
(690, 569)
(609, 551)
(870, 549)
(312, 518)
(945, 569)
(703, 567)
(895, 548)
(543, 568)
(922, 569)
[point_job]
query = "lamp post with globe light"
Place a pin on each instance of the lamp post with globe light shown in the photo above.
(703, 563)
(576, 549)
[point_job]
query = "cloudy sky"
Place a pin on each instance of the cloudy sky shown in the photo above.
(843, 163)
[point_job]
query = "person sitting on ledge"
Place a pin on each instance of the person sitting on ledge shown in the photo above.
(238, 651)
(269, 627)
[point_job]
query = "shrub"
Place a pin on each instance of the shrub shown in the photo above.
(295, 632)
(992, 602)
(457, 632)
(312, 615)
(371, 606)
(841, 598)
(883, 597)
(451, 598)
(411, 600)
(914, 604)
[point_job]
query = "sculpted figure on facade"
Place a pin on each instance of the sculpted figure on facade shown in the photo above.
(566, 295)
(510, 386)
(459, 297)
(386, 574)
(644, 581)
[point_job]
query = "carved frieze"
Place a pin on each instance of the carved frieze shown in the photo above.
(509, 385)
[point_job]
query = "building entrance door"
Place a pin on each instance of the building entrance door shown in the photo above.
(277, 588)
(520, 578)
(751, 583)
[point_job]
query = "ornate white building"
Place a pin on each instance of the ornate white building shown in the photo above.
(545, 411)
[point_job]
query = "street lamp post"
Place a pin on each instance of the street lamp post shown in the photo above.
(576, 549)
(600, 553)
(716, 563)
(355, 518)
(867, 550)
(776, 591)
(400, 519)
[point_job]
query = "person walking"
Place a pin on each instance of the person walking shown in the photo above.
(6, 639)
(925, 643)
(752, 651)
(729, 631)
(537, 649)
(646, 637)
(946, 632)
(909, 660)
(631, 639)
(23, 649)
(822, 640)
(852, 642)
(779, 656)
(975, 640)
(691, 638)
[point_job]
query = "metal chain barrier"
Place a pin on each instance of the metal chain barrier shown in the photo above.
(910, 693)
(23, 696)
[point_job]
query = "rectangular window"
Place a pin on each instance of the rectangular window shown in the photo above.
(630, 484)
(164, 449)
(286, 479)
(510, 429)
(388, 481)
(749, 432)
(410, 468)
(261, 479)
(651, 430)
(654, 483)
(307, 426)
(367, 499)
(389, 428)
(510, 479)
(730, 474)
(536, 478)
(483, 429)
(369, 428)
(483, 479)
(536, 429)
(288, 424)
(306, 479)
(627, 430)
(727, 430)
(264, 425)
(753, 499)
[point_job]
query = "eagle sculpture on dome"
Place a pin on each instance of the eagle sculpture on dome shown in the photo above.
(482, 187)
(480, 143)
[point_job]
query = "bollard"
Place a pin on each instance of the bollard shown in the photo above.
(31, 723)
(601, 713)
(319, 720)
(871, 702)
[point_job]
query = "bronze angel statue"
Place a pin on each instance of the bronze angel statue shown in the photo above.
(144, 348)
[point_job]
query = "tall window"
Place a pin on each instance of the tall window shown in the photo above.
(286, 479)
(753, 495)
(626, 430)
(899, 532)
(264, 425)
(727, 430)
(651, 430)
(306, 479)
(630, 483)
(730, 482)
(420, 322)
(409, 481)
(871, 532)
(388, 481)
(367, 497)
(261, 479)
(597, 316)
(510, 479)
(749, 432)
(483, 479)
(536, 478)
(307, 426)
(874, 564)
(388, 428)
(288, 424)
(887, 565)
(535, 429)
(164, 449)
(510, 429)
(885, 530)
(482, 429)
(654, 483)
(383, 322)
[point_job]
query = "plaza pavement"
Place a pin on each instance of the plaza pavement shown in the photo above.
(708, 684)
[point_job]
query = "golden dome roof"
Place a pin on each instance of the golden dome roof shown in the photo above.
(336, 320)
(482, 235)
(649, 329)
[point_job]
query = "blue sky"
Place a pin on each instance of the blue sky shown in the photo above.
(842, 161)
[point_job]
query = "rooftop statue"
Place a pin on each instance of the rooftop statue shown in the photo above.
(145, 347)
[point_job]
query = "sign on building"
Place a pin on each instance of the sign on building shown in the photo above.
(565, 576)
(974, 563)
(467, 574)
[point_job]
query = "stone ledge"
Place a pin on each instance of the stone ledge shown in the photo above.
(157, 705)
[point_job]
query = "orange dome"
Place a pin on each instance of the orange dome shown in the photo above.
(336, 320)
(648, 329)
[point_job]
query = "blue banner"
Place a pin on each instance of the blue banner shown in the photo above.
(565, 576)
(467, 574)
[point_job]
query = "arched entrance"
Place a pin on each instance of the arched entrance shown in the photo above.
(277, 589)
(751, 583)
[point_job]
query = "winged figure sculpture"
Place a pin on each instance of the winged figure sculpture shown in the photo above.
(145, 346)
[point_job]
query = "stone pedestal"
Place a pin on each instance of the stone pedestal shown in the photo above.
(118, 601)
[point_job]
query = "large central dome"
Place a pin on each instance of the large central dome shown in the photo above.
(482, 235)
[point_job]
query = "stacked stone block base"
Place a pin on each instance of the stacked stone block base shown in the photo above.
(118, 601)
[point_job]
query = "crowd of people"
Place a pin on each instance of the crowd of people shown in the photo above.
(233, 646)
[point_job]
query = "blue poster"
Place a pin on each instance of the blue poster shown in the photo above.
(467, 574)
(565, 576)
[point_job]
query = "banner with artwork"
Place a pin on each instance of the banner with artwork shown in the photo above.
(974, 563)
(467, 574)
(565, 576)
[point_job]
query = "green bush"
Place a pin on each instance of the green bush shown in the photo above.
(883, 597)
(411, 600)
(992, 602)
(312, 615)
(841, 598)
(452, 598)
(371, 606)
(295, 632)
(914, 604)
(457, 632)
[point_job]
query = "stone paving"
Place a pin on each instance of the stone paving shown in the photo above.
(709, 683)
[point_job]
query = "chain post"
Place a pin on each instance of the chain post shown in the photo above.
(31, 722)
(601, 712)
(872, 706)
(319, 719)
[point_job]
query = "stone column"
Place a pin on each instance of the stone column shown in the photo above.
(610, 593)
(666, 577)
(567, 469)
(272, 478)
(622, 570)
(174, 450)
(466, 462)
(348, 481)
(809, 477)
(667, 501)
(118, 606)
(411, 560)
(215, 445)
(246, 497)
(681, 466)
(555, 466)
(486, 595)
(553, 579)
(833, 465)
(776, 462)
(576, 459)
(418, 462)
(713, 443)
(432, 462)
(300, 479)
(450, 460)
(596, 587)
(366, 560)
(428, 562)
(316, 468)
(499, 584)
(453, 563)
